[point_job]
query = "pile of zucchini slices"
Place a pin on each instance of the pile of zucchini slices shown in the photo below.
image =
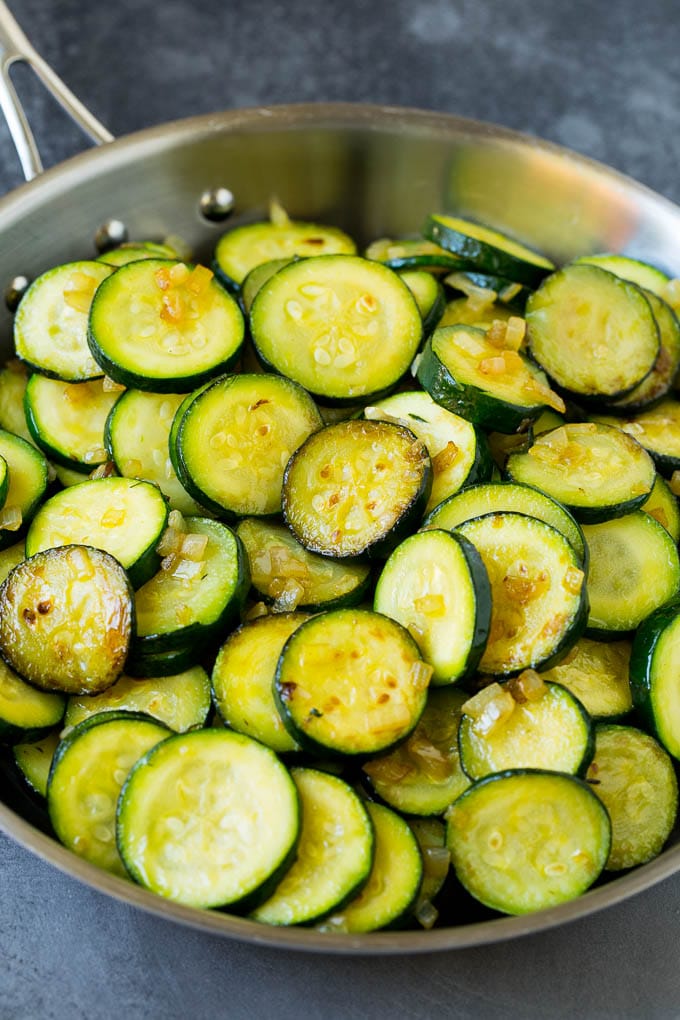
(343, 590)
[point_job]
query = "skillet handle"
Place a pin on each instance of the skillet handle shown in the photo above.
(14, 47)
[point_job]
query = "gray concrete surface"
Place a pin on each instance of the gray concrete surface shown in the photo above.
(602, 78)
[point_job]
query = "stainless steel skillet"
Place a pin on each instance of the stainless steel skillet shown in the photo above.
(375, 171)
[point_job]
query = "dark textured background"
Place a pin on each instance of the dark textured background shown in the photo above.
(602, 78)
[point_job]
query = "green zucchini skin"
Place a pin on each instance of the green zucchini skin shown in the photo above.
(488, 250)
(653, 696)
(27, 478)
(480, 406)
(26, 714)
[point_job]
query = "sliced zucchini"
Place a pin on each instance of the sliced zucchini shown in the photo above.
(166, 663)
(635, 270)
(66, 618)
(634, 569)
(28, 478)
(334, 854)
(394, 881)
(476, 286)
(10, 558)
(414, 253)
(233, 440)
(136, 436)
(429, 295)
(538, 591)
(595, 470)
(186, 834)
(355, 487)
(488, 249)
(435, 584)
(459, 452)
(491, 386)
(198, 592)
(67, 420)
(284, 572)
(635, 780)
(654, 665)
(525, 840)
(161, 325)
(423, 776)
(132, 251)
(662, 505)
(659, 381)
(594, 333)
(34, 760)
(351, 682)
(50, 327)
(25, 713)
(470, 312)
(13, 380)
(257, 277)
(123, 516)
(496, 497)
(88, 770)
(243, 677)
(181, 702)
(343, 327)
(240, 250)
(597, 673)
(657, 429)
(548, 729)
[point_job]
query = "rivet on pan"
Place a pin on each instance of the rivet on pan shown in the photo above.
(15, 290)
(110, 235)
(216, 204)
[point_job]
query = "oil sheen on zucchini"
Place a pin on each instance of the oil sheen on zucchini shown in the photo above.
(186, 834)
(436, 585)
(538, 591)
(66, 619)
(240, 250)
(350, 682)
(67, 420)
(524, 840)
(355, 487)
(343, 327)
(232, 441)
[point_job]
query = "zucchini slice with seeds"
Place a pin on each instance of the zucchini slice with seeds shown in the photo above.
(198, 592)
(67, 420)
(286, 574)
(89, 767)
(350, 682)
(654, 666)
(393, 884)
(525, 840)
(51, 324)
(181, 701)
(343, 327)
(163, 326)
(634, 569)
(423, 776)
(66, 619)
(356, 487)
(334, 854)
(495, 497)
(26, 713)
(459, 451)
(243, 676)
(635, 780)
(538, 593)
(123, 516)
(491, 386)
(597, 673)
(136, 435)
(550, 730)
(656, 429)
(186, 834)
(594, 333)
(436, 586)
(489, 250)
(594, 469)
(233, 440)
(241, 249)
